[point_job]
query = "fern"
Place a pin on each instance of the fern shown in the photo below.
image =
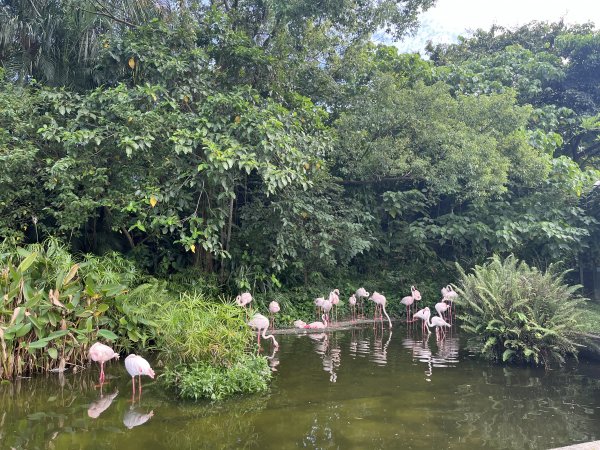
(517, 313)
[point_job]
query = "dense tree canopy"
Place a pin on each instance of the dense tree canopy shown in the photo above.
(273, 141)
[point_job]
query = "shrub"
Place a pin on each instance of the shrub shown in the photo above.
(249, 374)
(54, 305)
(518, 313)
(193, 328)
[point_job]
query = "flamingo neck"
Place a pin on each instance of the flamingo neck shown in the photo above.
(269, 336)
(386, 315)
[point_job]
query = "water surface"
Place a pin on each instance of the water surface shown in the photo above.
(346, 389)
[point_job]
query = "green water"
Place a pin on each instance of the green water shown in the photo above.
(345, 389)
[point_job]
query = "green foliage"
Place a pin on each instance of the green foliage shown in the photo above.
(249, 374)
(54, 307)
(192, 328)
(517, 313)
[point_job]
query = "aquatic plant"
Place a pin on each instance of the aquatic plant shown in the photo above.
(518, 313)
(249, 374)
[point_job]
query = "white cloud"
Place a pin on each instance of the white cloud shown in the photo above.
(450, 18)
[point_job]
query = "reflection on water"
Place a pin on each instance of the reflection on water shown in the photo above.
(97, 407)
(360, 388)
(135, 417)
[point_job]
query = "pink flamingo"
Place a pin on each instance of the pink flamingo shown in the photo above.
(101, 353)
(449, 296)
(243, 300)
(273, 309)
(424, 315)
(352, 303)
(260, 322)
(435, 321)
(439, 325)
(326, 307)
(408, 302)
(136, 365)
(441, 308)
(317, 325)
(334, 298)
(380, 302)
(319, 304)
(360, 294)
(299, 324)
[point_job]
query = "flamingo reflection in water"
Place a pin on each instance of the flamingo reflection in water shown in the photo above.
(380, 349)
(97, 407)
(134, 417)
(273, 360)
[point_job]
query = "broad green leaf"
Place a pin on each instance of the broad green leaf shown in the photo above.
(107, 334)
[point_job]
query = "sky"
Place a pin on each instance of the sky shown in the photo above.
(451, 18)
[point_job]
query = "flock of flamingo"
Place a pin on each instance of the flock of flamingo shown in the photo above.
(138, 366)
(324, 306)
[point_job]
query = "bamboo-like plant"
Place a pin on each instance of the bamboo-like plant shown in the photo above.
(518, 313)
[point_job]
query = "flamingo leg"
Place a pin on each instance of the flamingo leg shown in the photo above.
(140, 385)
(133, 388)
(102, 372)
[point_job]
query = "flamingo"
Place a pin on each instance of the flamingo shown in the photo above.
(299, 324)
(101, 353)
(319, 304)
(260, 322)
(360, 294)
(437, 322)
(334, 298)
(439, 325)
(441, 308)
(273, 309)
(136, 365)
(352, 303)
(317, 325)
(424, 315)
(326, 307)
(380, 302)
(449, 297)
(408, 301)
(243, 300)
(415, 293)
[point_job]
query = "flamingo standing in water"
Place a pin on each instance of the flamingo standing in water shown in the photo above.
(360, 294)
(101, 353)
(449, 296)
(352, 303)
(437, 322)
(317, 325)
(380, 302)
(273, 309)
(260, 322)
(334, 298)
(243, 300)
(136, 365)
(423, 314)
(441, 308)
(408, 302)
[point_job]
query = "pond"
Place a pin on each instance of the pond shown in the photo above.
(345, 389)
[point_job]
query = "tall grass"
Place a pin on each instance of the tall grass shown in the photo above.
(517, 313)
